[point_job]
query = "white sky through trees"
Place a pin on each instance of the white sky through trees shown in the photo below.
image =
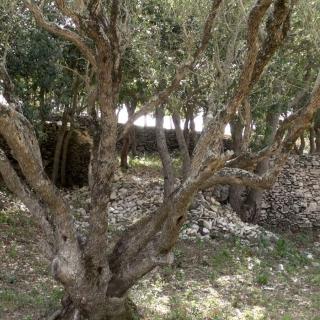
(150, 121)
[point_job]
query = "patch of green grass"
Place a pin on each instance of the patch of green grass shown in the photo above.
(16, 223)
(6, 218)
(303, 238)
(213, 275)
(180, 275)
(147, 160)
(200, 243)
(236, 301)
(178, 254)
(315, 299)
(13, 253)
(56, 295)
(10, 297)
(281, 248)
(178, 310)
(264, 242)
(16, 300)
(153, 161)
(315, 279)
(288, 250)
(262, 279)
(8, 278)
(168, 270)
(221, 259)
(176, 163)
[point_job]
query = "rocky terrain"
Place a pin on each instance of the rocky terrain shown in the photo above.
(293, 203)
(135, 196)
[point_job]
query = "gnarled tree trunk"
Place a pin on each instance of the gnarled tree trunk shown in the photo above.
(302, 144)
(250, 211)
(64, 157)
(114, 309)
(59, 145)
(317, 132)
(235, 192)
(128, 139)
(189, 129)
(312, 140)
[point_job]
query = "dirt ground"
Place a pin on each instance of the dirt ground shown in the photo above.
(210, 279)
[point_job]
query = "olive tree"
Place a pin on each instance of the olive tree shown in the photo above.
(95, 276)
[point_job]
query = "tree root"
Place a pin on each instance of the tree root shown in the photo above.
(69, 312)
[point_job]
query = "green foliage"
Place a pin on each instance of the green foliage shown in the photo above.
(162, 35)
(262, 279)
(285, 249)
(282, 248)
(150, 161)
(315, 280)
(13, 252)
(39, 64)
(221, 259)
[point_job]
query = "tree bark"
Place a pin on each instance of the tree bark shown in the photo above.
(193, 135)
(58, 149)
(115, 309)
(42, 111)
(186, 132)
(312, 140)
(316, 127)
(167, 168)
(302, 144)
(250, 211)
(125, 151)
(133, 142)
(70, 115)
(235, 192)
(184, 152)
(64, 158)
(189, 130)
(128, 139)
(317, 130)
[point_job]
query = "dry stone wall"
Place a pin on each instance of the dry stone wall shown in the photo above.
(147, 143)
(146, 139)
(294, 201)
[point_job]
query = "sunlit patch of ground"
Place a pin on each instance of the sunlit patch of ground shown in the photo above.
(209, 280)
(228, 280)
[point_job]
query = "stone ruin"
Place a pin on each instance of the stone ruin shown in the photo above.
(294, 200)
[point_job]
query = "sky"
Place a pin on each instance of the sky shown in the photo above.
(150, 121)
(2, 99)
